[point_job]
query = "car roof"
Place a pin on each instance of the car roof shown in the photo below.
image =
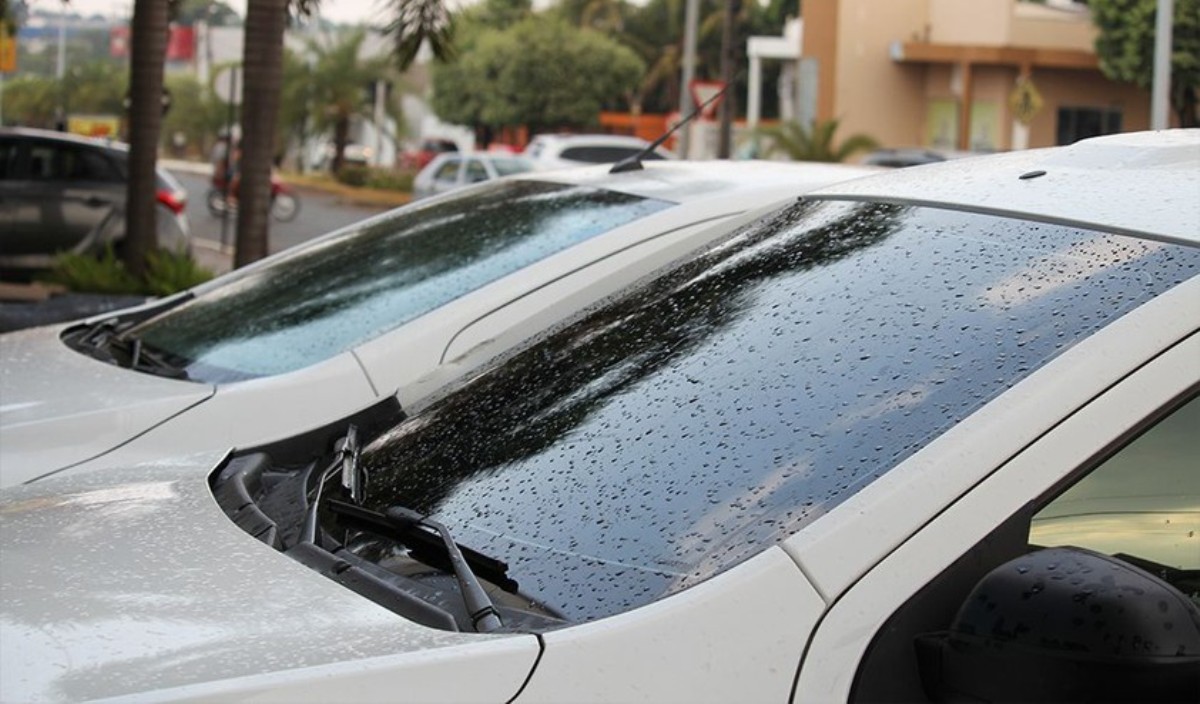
(687, 181)
(63, 137)
(566, 140)
(1145, 184)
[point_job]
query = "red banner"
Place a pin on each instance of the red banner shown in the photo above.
(181, 43)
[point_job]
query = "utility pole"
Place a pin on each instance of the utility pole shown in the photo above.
(1160, 101)
(686, 103)
(728, 57)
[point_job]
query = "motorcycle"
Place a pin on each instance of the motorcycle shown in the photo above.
(285, 204)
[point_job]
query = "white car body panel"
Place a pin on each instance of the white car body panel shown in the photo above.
(132, 583)
(1076, 188)
(915, 492)
(734, 638)
(260, 410)
(142, 585)
(39, 413)
(847, 630)
(253, 412)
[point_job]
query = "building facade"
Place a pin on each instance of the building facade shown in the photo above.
(979, 75)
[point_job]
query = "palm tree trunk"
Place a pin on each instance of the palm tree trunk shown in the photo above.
(147, 53)
(263, 71)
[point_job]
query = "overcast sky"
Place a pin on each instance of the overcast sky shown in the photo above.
(333, 10)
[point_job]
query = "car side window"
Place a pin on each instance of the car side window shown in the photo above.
(43, 162)
(476, 171)
(1142, 505)
(447, 172)
(88, 165)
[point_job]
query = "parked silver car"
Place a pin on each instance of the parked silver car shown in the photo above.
(453, 170)
(65, 193)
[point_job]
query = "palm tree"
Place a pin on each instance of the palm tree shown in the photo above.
(801, 143)
(262, 62)
(338, 82)
(148, 48)
(417, 22)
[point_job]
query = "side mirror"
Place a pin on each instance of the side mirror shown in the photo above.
(1066, 625)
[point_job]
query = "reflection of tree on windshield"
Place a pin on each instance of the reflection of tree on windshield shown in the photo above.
(327, 298)
(540, 396)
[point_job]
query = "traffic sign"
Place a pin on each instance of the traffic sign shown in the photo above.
(1025, 101)
(705, 91)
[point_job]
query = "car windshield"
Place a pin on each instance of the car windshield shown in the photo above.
(700, 417)
(323, 299)
(507, 167)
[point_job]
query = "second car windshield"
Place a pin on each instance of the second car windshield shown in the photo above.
(326, 298)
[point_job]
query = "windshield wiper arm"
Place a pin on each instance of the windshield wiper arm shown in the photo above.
(404, 524)
(144, 358)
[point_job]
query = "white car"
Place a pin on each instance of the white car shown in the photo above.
(451, 171)
(558, 151)
(309, 335)
(929, 435)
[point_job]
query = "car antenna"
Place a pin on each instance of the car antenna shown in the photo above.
(634, 163)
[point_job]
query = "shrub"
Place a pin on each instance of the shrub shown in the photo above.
(382, 179)
(166, 273)
(390, 180)
(353, 176)
(94, 274)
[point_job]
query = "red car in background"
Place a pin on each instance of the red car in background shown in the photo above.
(430, 148)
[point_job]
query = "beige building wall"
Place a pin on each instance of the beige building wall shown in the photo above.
(917, 102)
(1064, 89)
(874, 95)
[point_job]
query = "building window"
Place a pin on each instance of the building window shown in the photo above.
(1075, 124)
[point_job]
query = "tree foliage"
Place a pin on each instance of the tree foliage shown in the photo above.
(540, 72)
(800, 143)
(337, 86)
(1125, 47)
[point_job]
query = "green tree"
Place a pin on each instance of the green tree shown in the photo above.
(800, 143)
(97, 87)
(1125, 47)
(541, 72)
(418, 22)
(30, 101)
(340, 85)
(195, 112)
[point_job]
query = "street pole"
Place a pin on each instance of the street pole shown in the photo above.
(1161, 87)
(728, 54)
(686, 104)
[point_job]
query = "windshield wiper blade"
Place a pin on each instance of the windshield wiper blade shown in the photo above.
(406, 525)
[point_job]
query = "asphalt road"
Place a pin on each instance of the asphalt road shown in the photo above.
(319, 213)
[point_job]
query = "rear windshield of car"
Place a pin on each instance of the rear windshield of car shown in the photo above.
(326, 298)
(704, 416)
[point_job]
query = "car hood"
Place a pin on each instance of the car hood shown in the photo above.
(132, 581)
(47, 425)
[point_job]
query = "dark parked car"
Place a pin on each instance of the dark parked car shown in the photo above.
(63, 193)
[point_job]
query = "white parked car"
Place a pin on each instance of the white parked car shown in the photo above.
(309, 335)
(451, 171)
(558, 151)
(924, 436)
